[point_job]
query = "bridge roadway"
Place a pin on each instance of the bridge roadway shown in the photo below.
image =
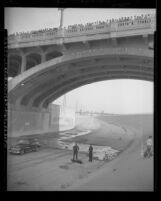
(90, 33)
(28, 50)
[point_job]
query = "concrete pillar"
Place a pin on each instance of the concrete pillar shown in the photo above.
(114, 42)
(145, 38)
(61, 18)
(23, 64)
(61, 30)
(43, 58)
(86, 43)
(63, 48)
(19, 68)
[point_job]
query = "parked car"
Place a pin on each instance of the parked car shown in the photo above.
(34, 141)
(24, 146)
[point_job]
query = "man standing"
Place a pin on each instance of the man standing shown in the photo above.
(90, 153)
(148, 151)
(75, 152)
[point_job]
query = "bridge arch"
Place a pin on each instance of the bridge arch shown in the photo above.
(50, 80)
(53, 54)
(83, 80)
(32, 60)
(14, 65)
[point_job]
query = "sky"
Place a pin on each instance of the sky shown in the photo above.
(113, 96)
(27, 19)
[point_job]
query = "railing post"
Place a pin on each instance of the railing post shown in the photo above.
(114, 27)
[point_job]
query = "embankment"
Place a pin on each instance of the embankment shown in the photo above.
(128, 172)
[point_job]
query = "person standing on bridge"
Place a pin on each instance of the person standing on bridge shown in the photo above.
(90, 153)
(75, 152)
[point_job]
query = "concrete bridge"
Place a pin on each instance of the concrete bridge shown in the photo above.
(44, 66)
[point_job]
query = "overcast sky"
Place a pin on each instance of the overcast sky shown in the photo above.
(27, 19)
(114, 96)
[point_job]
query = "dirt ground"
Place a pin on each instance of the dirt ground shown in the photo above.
(129, 171)
(51, 169)
(115, 136)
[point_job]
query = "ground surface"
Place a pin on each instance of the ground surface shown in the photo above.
(52, 169)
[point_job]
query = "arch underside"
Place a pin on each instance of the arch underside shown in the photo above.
(33, 58)
(46, 87)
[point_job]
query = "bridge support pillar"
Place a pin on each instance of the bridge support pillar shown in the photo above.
(23, 64)
(63, 47)
(86, 43)
(43, 58)
(114, 42)
(145, 37)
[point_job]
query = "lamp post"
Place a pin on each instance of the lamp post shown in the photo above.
(61, 18)
(62, 32)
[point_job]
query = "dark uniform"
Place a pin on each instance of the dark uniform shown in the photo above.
(75, 152)
(90, 153)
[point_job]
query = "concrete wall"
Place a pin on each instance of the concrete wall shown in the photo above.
(142, 122)
(29, 121)
(54, 117)
(66, 118)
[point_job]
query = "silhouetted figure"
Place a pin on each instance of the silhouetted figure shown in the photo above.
(75, 151)
(90, 153)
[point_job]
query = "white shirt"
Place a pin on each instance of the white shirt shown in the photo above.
(149, 142)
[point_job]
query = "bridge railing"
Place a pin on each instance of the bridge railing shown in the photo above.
(135, 24)
(78, 31)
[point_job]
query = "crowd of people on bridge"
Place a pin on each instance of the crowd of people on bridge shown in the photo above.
(108, 22)
(34, 32)
(79, 27)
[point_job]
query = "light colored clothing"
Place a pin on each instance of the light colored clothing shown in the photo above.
(149, 142)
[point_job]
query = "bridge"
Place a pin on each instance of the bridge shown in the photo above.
(46, 65)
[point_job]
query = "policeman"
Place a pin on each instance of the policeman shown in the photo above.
(75, 152)
(90, 153)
